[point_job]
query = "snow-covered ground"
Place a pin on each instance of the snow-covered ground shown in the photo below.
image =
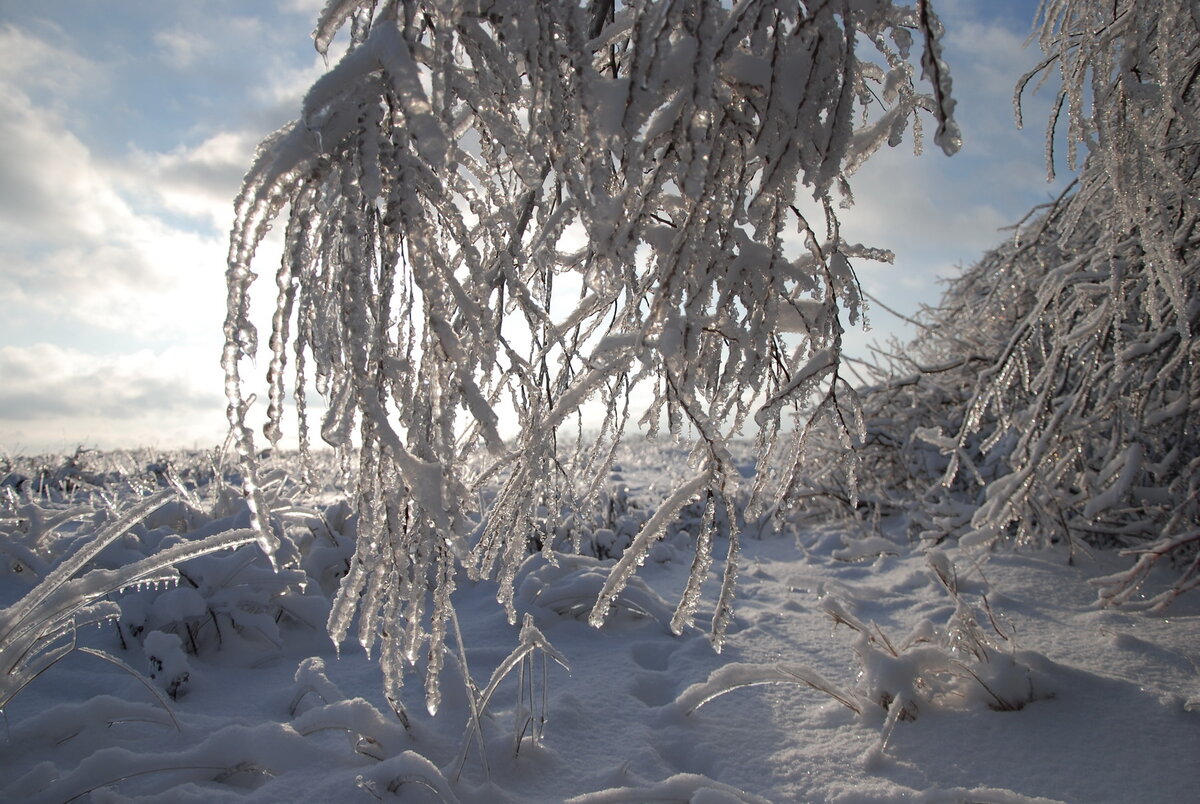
(1106, 703)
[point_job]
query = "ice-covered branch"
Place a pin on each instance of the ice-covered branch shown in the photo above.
(499, 220)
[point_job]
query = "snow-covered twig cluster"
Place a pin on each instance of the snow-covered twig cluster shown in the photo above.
(41, 627)
(955, 664)
(174, 571)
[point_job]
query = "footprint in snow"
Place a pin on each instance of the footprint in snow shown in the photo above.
(653, 655)
(653, 690)
(651, 684)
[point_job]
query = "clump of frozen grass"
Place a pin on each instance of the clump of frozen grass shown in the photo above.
(371, 733)
(570, 586)
(160, 570)
(230, 602)
(958, 664)
(529, 715)
(409, 768)
(41, 628)
(235, 758)
(220, 759)
(736, 675)
(233, 603)
(168, 664)
(49, 478)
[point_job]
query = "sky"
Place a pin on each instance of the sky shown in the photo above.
(125, 129)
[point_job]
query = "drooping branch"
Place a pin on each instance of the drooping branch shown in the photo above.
(501, 214)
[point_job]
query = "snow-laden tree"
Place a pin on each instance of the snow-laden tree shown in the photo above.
(1099, 382)
(505, 214)
(1054, 394)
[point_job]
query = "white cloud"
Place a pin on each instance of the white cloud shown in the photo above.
(48, 186)
(997, 55)
(180, 48)
(40, 67)
(92, 261)
(937, 213)
(199, 182)
(54, 398)
(74, 247)
(309, 8)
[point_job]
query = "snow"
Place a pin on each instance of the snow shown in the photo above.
(643, 714)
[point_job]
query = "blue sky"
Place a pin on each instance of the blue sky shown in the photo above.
(127, 125)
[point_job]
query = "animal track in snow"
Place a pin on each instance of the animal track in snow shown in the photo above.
(654, 690)
(652, 655)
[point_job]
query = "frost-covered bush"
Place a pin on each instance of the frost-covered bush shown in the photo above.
(42, 626)
(234, 603)
(970, 661)
(503, 211)
(1051, 396)
(57, 478)
(175, 570)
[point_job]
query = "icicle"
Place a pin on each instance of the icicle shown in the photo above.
(701, 563)
(636, 552)
(443, 611)
(723, 611)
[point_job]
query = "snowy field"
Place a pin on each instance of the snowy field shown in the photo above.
(1003, 680)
